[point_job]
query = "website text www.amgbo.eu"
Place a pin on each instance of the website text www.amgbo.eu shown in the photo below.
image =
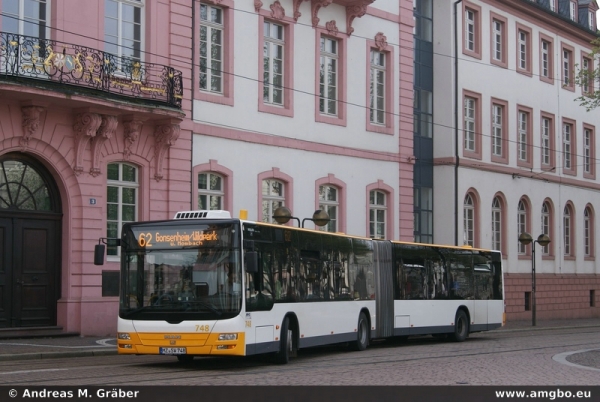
(549, 395)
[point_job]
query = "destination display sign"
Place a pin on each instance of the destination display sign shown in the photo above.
(167, 238)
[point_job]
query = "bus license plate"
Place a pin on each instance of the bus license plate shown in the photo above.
(172, 351)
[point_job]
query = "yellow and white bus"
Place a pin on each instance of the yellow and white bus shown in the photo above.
(206, 284)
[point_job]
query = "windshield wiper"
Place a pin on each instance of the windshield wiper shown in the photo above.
(174, 306)
(137, 310)
(207, 305)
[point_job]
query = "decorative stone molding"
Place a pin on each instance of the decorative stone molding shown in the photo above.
(107, 129)
(165, 136)
(30, 122)
(297, 13)
(381, 41)
(277, 11)
(315, 6)
(353, 11)
(131, 133)
(257, 5)
(85, 127)
(332, 28)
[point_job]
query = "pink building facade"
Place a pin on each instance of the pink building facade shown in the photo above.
(112, 114)
(93, 133)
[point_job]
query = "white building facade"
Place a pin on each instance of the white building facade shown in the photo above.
(296, 105)
(516, 152)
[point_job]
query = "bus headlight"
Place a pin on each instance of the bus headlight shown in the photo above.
(228, 337)
(123, 335)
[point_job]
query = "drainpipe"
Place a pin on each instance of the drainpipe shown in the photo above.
(456, 136)
(193, 199)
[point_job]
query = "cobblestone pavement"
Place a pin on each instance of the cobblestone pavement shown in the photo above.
(507, 357)
(74, 346)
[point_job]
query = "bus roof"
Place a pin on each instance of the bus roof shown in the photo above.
(222, 214)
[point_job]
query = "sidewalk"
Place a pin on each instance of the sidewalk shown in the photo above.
(77, 346)
(64, 346)
(548, 324)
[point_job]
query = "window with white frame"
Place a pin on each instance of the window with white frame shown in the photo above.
(523, 135)
(546, 132)
(469, 125)
(522, 224)
(469, 221)
(552, 5)
(210, 191)
(377, 87)
(587, 151)
(546, 225)
(567, 144)
(470, 16)
(330, 203)
(546, 59)
(377, 214)
(523, 50)
(123, 29)
(591, 21)
(497, 224)
(273, 197)
(585, 67)
(567, 61)
(588, 232)
(497, 128)
(25, 17)
(328, 76)
(273, 59)
(121, 200)
(573, 10)
(567, 234)
(587, 81)
(211, 48)
(497, 35)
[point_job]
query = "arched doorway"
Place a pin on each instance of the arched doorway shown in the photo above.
(30, 233)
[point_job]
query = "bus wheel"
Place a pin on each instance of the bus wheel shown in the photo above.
(362, 334)
(185, 359)
(286, 343)
(461, 327)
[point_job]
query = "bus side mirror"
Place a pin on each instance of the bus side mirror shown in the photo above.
(99, 254)
(251, 262)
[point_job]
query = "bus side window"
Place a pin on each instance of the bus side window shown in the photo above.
(259, 294)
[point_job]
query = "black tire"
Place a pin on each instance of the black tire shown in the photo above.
(461, 327)
(362, 334)
(185, 359)
(286, 343)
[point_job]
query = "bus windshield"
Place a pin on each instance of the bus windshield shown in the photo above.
(182, 272)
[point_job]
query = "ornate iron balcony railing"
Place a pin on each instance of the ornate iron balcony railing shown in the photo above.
(63, 63)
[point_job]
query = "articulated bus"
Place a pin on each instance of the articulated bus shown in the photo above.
(206, 284)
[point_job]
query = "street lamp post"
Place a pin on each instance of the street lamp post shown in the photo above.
(543, 240)
(282, 215)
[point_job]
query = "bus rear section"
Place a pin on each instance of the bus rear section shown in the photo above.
(446, 291)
